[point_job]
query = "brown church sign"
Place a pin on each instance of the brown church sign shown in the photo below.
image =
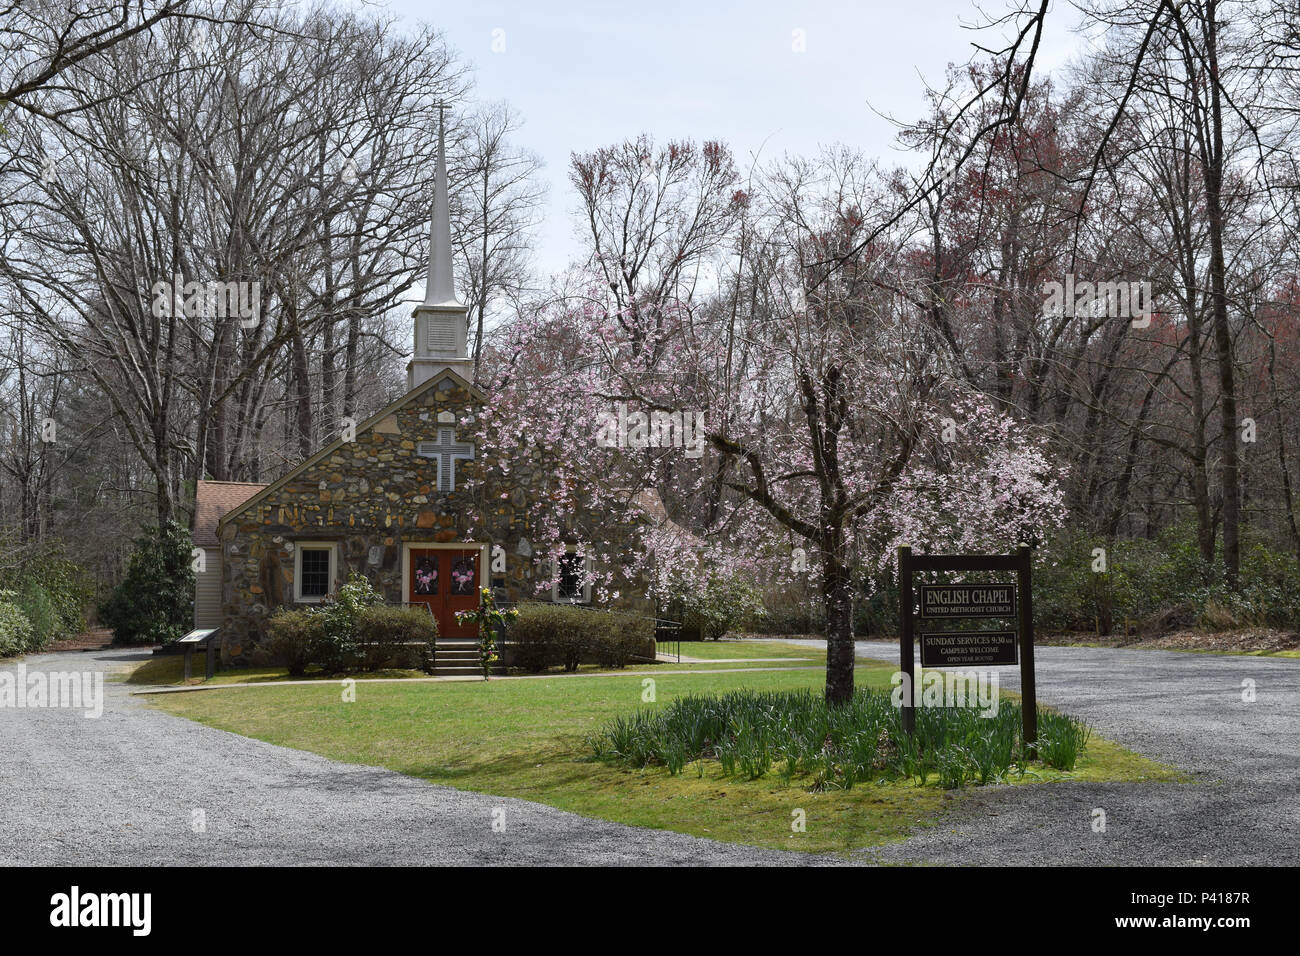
(949, 648)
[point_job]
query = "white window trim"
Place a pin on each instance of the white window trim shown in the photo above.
(557, 598)
(298, 548)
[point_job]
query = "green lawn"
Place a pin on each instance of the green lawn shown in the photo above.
(169, 670)
(526, 738)
(749, 650)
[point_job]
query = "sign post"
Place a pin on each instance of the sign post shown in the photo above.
(906, 654)
(196, 638)
(1028, 695)
(1007, 601)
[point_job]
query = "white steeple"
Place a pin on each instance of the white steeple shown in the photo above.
(440, 287)
(440, 340)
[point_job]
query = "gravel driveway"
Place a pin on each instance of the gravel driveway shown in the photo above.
(1182, 709)
(124, 788)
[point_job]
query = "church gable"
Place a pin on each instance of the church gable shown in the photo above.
(416, 451)
(406, 475)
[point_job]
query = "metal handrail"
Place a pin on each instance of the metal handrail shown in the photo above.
(664, 626)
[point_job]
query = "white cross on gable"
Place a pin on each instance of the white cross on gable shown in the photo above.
(448, 451)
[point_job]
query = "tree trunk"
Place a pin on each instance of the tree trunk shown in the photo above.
(1219, 303)
(837, 594)
(301, 380)
(1288, 496)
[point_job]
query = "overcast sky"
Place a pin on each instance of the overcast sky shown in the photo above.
(589, 74)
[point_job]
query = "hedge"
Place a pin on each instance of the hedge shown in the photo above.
(397, 637)
(39, 608)
(561, 635)
(52, 591)
(384, 637)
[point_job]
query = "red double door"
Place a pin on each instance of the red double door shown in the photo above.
(447, 581)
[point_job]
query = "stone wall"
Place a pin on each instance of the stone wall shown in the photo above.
(375, 493)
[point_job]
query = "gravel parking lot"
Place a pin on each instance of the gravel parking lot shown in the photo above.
(131, 786)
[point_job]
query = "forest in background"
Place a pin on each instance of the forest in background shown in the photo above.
(827, 314)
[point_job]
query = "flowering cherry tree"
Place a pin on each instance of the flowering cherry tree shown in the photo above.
(882, 453)
(830, 422)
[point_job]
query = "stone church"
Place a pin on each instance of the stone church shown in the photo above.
(393, 501)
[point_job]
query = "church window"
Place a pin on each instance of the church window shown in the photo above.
(572, 584)
(314, 574)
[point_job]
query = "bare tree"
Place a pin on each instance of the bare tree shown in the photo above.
(499, 201)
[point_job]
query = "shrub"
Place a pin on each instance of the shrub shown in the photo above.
(337, 647)
(560, 635)
(1163, 583)
(806, 618)
(722, 603)
(39, 610)
(66, 585)
(15, 629)
(154, 602)
(350, 633)
(69, 588)
(529, 651)
(612, 640)
(291, 636)
(546, 635)
(398, 637)
(875, 607)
